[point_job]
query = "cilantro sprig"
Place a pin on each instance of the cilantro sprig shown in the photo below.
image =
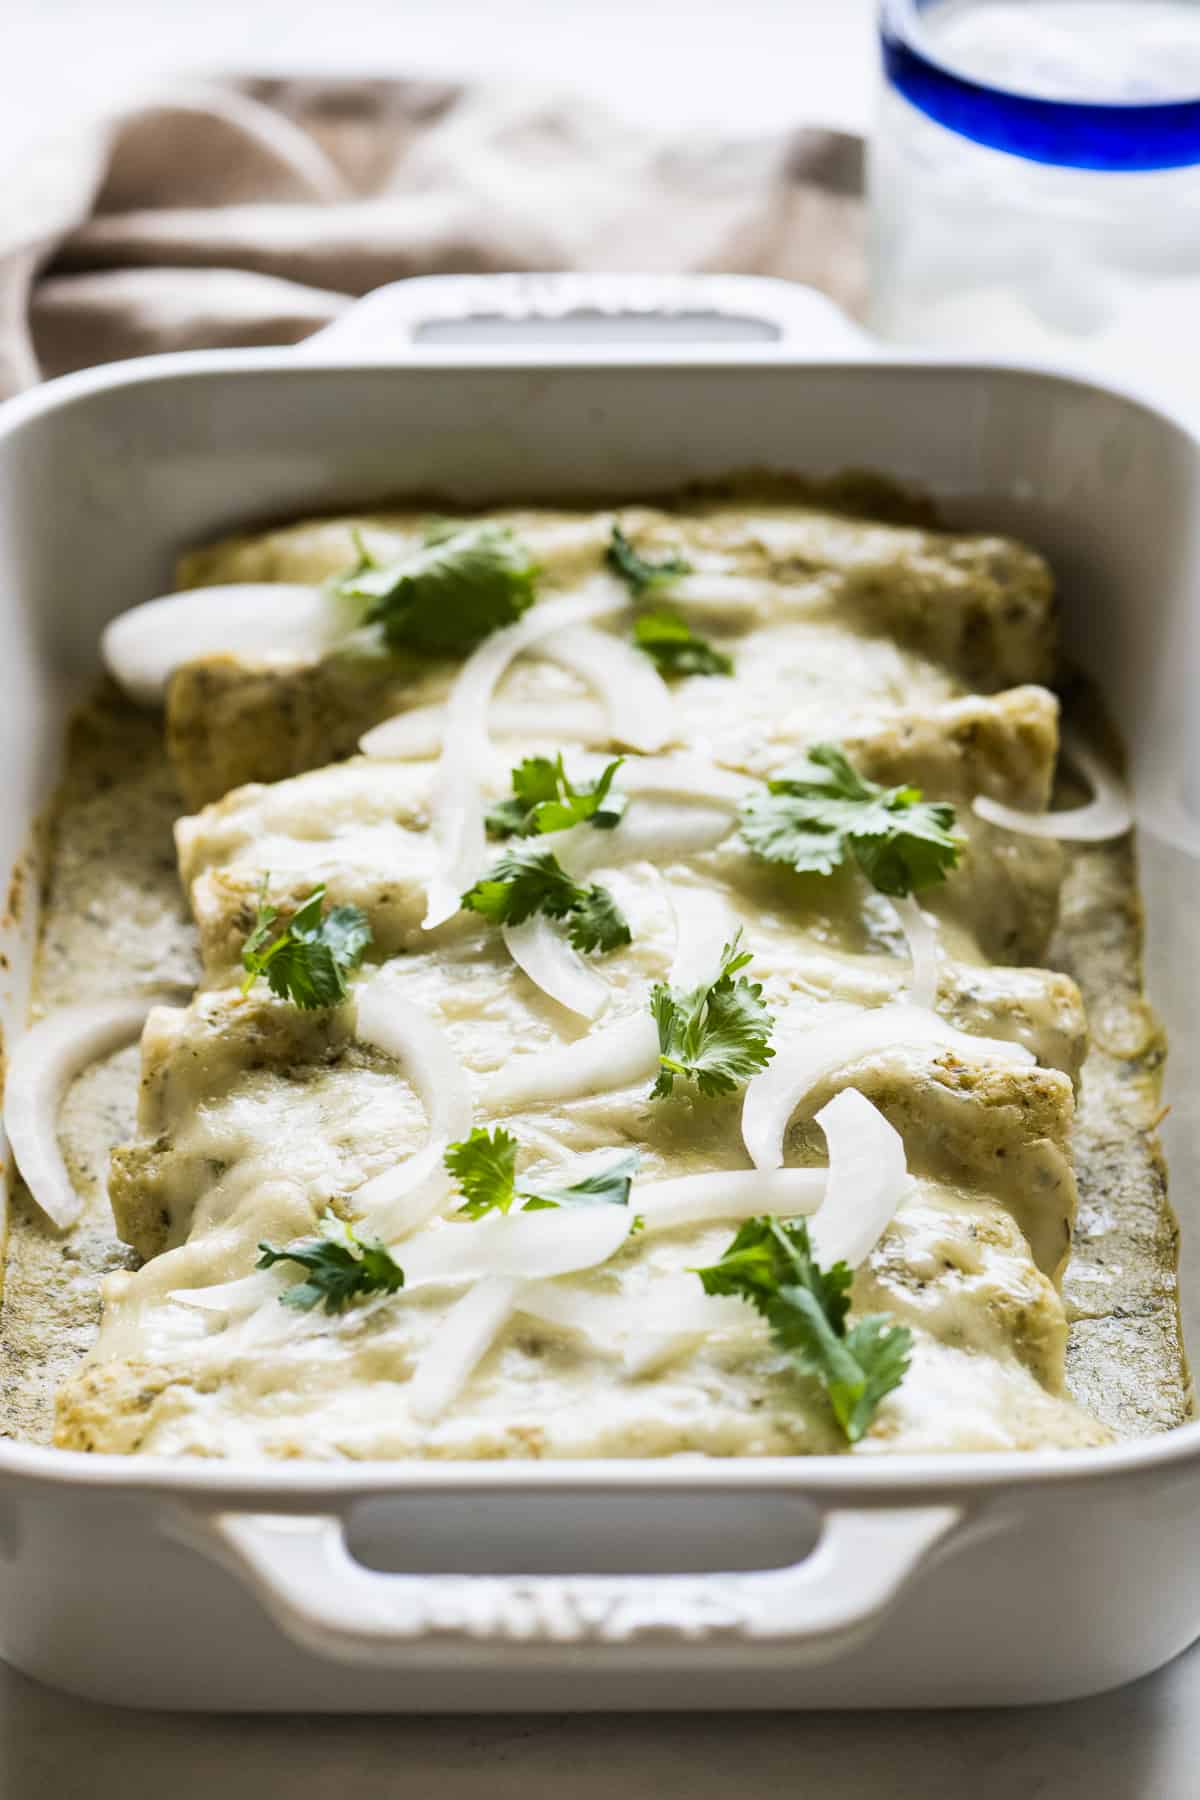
(308, 960)
(668, 639)
(821, 814)
(717, 1034)
(527, 880)
(485, 1167)
(663, 634)
(545, 799)
(771, 1265)
(446, 597)
(638, 572)
(341, 1267)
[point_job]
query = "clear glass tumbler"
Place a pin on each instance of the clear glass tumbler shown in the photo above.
(1035, 182)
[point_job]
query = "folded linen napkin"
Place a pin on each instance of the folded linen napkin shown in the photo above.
(254, 211)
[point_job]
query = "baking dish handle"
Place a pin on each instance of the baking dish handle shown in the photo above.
(302, 1569)
(513, 312)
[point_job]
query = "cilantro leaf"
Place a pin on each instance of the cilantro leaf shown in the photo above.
(606, 1187)
(765, 1256)
(507, 818)
(663, 634)
(881, 1353)
(526, 880)
(444, 598)
(821, 814)
(597, 922)
(668, 639)
(346, 932)
(717, 1034)
(523, 881)
(307, 962)
(545, 799)
(341, 1267)
(779, 830)
(638, 571)
(591, 803)
(484, 1165)
(535, 784)
(771, 1265)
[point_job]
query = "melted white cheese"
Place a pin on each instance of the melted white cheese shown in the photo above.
(244, 1139)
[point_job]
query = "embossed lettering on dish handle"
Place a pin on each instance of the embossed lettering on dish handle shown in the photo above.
(304, 1574)
(504, 312)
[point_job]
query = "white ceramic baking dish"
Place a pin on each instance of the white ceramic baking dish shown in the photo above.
(865, 1581)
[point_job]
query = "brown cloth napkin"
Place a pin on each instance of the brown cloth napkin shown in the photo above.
(254, 211)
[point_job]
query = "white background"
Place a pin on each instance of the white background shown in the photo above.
(754, 63)
(742, 63)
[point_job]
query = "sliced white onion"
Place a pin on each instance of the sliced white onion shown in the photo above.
(713, 590)
(536, 1246)
(614, 1056)
(683, 1316)
(457, 822)
(42, 1066)
(600, 1318)
(868, 1178)
(539, 947)
(254, 1316)
(704, 924)
(502, 1252)
(531, 1245)
(1108, 814)
(419, 733)
(651, 830)
(636, 698)
(686, 777)
(921, 934)
(400, 1199)
(234, 1299)
(143, 647)
(644, 1331)
(389, 1022)
(800, 1062)
(728, 1194)
(626, 1051)
(459, 1343)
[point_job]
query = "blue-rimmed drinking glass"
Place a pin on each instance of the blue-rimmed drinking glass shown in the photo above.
(1035, 179)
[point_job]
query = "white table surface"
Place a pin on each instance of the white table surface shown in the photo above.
(747, 63)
